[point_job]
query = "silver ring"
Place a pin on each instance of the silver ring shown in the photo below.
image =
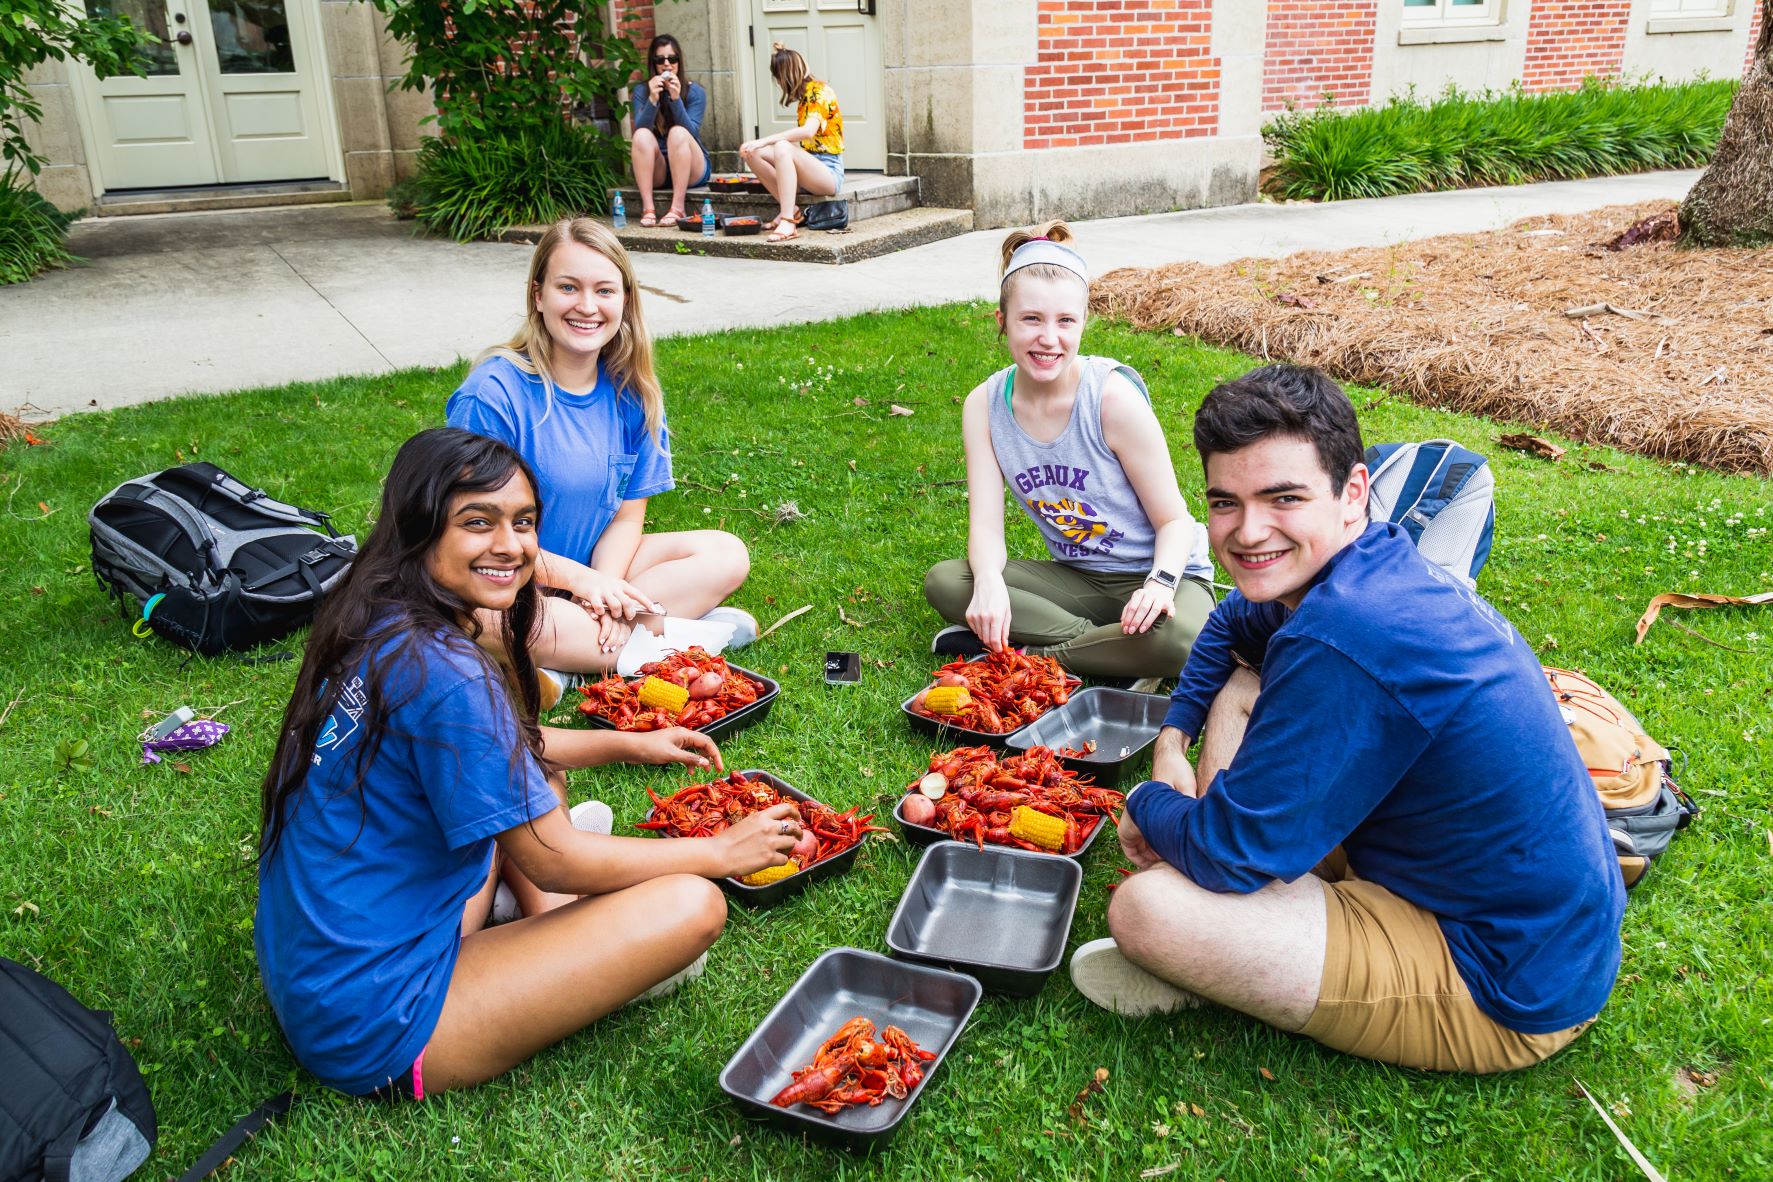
(785, 827)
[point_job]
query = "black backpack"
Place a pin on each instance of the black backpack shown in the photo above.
(72, 1104)
(214, 563)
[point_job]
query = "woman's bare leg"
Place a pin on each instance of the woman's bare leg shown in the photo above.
(524, 986)
(686, 162)
(649, 165)
(691, 571)
(811, 173)
(783, 180)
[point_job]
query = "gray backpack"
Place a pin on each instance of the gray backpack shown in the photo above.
(214, 563)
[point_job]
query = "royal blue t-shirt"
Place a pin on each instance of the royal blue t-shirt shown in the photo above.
(590, 451)
(1403, 718)
(360, 909)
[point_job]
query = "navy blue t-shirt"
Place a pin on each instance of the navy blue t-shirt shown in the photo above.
(360, 909)
(1403, 718)
(590, 451)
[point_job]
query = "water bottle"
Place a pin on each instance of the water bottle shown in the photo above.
(617, 213)
(707, 217)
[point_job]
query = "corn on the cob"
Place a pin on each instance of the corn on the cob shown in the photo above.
(1032, 825)
(771, 874)
(947, 699)
(663, 695)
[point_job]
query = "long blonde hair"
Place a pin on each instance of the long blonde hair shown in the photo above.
(789, 70)
(1053, 231)
(628, 358)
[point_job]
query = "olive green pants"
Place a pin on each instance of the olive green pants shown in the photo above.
(1073, 615)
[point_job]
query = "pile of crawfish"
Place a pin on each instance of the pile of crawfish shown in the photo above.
(973, 791)
(715, 691)
(702, 810)
(1008, 689)
(854, 1067)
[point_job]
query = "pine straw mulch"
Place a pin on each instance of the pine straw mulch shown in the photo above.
(1679, 365)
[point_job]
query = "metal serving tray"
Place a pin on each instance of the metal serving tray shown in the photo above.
(931, 1005)
(1123, 723)
(773, 893)
(930, 835)
(738, 720)
(1000, 915)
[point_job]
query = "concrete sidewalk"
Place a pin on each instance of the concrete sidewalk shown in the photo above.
(199, 303)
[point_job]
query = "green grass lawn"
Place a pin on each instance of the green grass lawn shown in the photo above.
(133, 885)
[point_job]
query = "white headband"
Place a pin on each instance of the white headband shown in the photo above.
(1045, 250)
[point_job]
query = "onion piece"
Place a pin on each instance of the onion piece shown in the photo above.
(934, 785)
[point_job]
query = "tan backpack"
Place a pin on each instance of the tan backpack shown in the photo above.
(1630, 770)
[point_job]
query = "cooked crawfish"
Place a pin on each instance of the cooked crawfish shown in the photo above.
(702, 810)
(1009, 689)
(855, 1067)
(981, 790)
(695, 668)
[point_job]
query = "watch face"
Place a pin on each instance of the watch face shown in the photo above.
(1162, 576)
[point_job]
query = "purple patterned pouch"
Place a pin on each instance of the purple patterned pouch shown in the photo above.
(193, 736)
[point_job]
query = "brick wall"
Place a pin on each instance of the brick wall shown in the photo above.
(1568, 40)
(635, 18)
(1121, 71)
(1754, 35)
(1316, 47)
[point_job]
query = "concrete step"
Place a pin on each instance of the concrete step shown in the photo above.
(201, 197)
(870, 194)
(865, 240)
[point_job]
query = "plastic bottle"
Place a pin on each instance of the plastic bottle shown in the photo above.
(707, 217)
(617, 214)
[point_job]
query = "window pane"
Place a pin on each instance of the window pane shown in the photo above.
(149, 15)
(251, 37)
(1418, 3)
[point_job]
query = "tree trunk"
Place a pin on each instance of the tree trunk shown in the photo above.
(1732, 203)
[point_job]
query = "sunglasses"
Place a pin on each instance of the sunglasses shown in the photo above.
(664, 60)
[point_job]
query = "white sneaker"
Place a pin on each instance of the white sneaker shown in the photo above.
(682, 977)
(504, 906)
(743, 622)
(1104, 975)
(555, 683)
(593, 816)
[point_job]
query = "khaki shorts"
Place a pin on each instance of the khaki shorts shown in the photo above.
(1391, 991)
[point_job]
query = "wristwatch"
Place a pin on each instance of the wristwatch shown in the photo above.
(1163, 578)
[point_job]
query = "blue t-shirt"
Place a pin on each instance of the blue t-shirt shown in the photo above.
(1403, 718)
(590, 451)
(360, 909)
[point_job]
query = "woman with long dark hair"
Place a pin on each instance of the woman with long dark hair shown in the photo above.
(667, 146)
(410, 776)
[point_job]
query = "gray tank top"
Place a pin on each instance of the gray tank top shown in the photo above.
(1074, 489)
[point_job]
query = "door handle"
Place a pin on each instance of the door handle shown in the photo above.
(183, 37)
(865, 7)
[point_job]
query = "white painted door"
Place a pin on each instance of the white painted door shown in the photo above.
(231, 96)
(840, 40)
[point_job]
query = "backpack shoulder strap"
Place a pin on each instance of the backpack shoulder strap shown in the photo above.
(229, 1143)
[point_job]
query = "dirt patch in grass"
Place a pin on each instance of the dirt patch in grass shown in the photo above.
(1678, 363)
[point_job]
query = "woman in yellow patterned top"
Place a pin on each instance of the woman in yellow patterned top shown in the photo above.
(815, 164)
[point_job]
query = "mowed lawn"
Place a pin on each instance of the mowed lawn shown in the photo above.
(133, 885)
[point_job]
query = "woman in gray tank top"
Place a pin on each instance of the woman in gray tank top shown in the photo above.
(1126, 585)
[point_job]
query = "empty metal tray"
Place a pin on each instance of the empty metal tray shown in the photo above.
(997, 914)
(1123, 723)
(931, 1005)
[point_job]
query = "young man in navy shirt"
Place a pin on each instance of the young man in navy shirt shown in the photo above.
(1390, 843)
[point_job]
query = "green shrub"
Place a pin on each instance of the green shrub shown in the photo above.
(33, 234)
(1462, 140)
(403, 198)
(474, 186)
